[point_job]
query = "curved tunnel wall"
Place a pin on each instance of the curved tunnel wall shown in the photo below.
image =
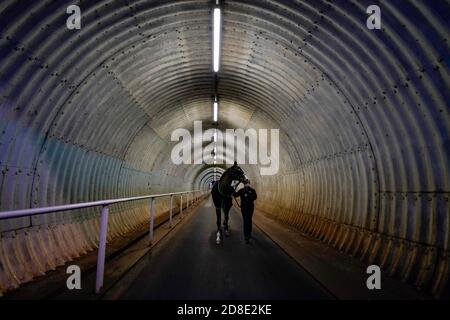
(364, 120)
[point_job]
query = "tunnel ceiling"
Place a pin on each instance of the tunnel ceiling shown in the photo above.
(364, 115)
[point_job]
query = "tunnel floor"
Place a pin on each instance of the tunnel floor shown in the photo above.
(190, 265)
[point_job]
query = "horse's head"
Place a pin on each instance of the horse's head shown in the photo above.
(230, 179)
(237, 174)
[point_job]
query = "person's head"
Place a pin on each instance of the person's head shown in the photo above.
(247, 183)
(235, 164)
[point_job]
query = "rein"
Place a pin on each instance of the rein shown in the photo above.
(237, 202)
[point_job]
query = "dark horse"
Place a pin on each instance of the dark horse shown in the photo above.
(222, 193)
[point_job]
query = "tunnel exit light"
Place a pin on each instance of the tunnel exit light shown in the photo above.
(216, 39)
(216, 112)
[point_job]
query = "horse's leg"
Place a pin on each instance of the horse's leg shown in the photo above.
(218, 217)
(227, 203)
(225, 223)
(218, 220)
(217, 199)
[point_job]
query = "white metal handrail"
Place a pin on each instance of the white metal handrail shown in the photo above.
(195, 195)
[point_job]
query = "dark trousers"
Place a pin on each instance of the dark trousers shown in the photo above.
(247, 215)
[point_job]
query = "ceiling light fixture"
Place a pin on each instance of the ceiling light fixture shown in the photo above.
(216, 111)
(217, 28)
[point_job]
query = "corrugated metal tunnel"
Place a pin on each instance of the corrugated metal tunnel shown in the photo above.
(363, 116)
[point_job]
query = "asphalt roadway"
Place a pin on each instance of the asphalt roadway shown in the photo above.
(189, 265)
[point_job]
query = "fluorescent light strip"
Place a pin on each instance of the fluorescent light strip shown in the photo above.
(216, 39)
(215, 146)
(216, 111)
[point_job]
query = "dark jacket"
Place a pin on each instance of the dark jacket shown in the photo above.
(248, 196)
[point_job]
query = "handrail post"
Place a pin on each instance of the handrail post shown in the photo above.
(181, 205)
(152, 219)
(101, 250)
(171, 211)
